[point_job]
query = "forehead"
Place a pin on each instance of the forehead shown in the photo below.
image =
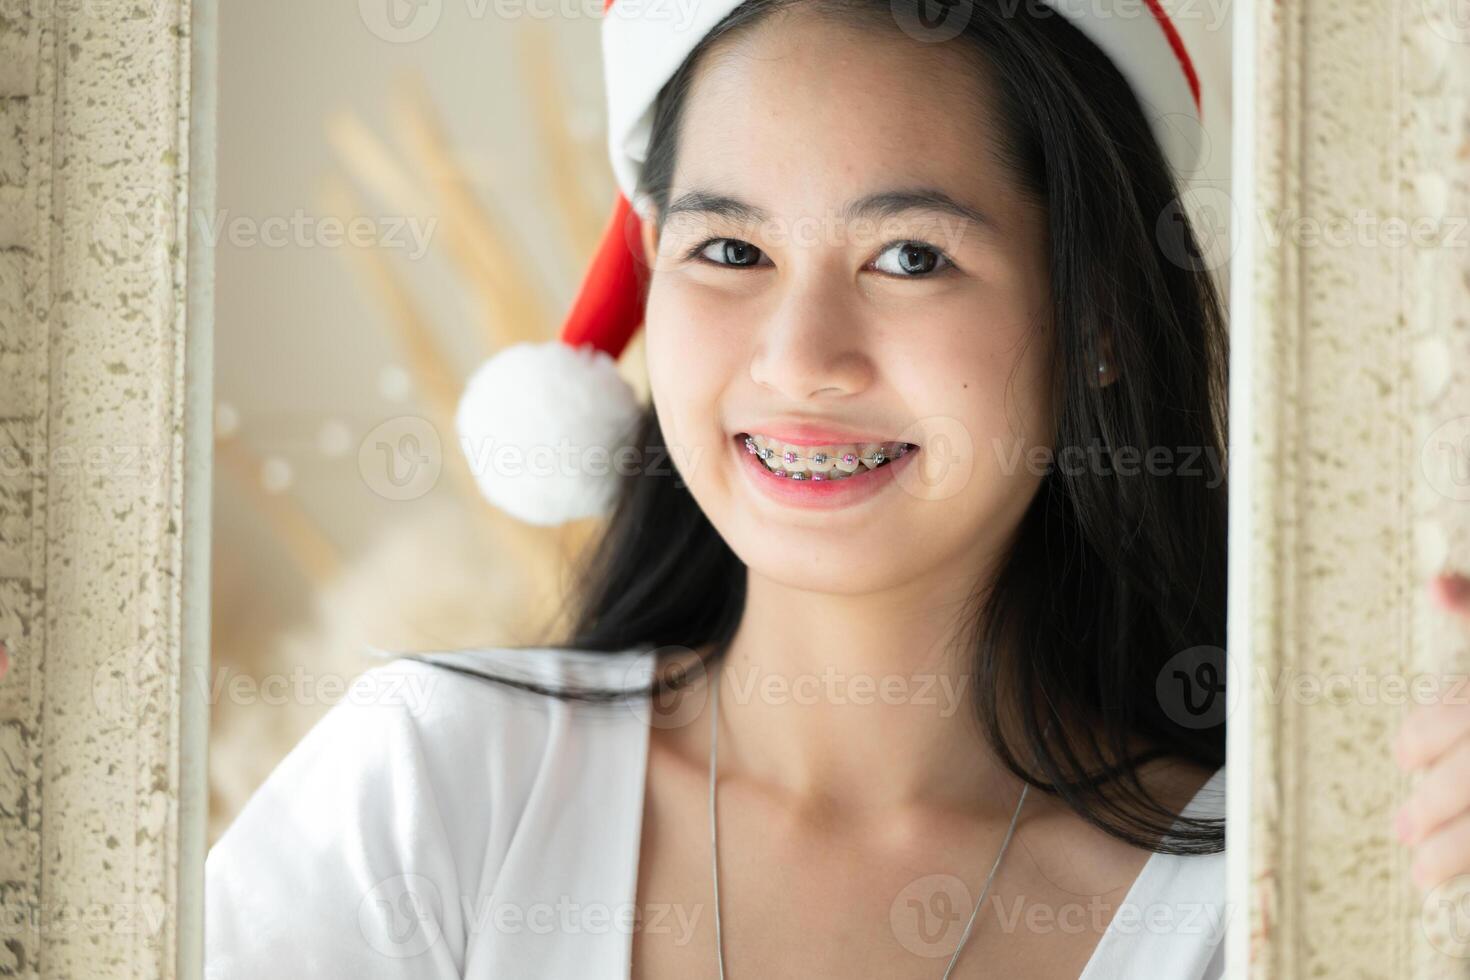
(804, 108)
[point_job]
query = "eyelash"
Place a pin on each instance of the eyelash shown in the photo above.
(946, 264)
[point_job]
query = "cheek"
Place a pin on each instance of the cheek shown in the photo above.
(984, 358)
(690, 357)
(990, 386)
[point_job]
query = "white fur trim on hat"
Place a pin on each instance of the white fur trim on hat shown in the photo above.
(644, 42)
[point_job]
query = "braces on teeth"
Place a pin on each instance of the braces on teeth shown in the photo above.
(878, 457)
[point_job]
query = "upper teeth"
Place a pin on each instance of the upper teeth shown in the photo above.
(821, 461)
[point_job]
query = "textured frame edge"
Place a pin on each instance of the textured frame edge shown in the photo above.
(194, 708)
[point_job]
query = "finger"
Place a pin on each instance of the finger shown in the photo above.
(1443, 854)
(1430, 729)
(1442, 795)
(1451, 591)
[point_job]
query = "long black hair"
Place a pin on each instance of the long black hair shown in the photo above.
(1114, 572)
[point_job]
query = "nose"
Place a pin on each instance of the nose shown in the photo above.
(812, 344)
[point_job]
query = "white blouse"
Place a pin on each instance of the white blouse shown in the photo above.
(434, 825)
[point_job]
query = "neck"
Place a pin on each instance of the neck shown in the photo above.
(861, 702)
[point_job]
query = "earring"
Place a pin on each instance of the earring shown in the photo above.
(1102, 367)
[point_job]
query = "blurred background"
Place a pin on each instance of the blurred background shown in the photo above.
(399, 181)
(404, 187)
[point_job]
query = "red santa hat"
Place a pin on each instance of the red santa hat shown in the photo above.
(543, 423)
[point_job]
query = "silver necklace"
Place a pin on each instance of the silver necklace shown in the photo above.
(714, 844)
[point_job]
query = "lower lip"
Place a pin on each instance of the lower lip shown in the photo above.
(818, 494)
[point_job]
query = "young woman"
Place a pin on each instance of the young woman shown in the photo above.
(860, 240)
(911, 664)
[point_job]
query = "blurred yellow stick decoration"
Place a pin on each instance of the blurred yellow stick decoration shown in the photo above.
(569, 156)
(473, 232)
(435, 380)
(425, 583)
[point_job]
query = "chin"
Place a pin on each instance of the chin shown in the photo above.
(862, 565)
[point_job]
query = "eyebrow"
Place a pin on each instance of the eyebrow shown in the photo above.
(884, 204)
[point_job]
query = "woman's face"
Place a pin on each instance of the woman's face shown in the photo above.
(921, 325)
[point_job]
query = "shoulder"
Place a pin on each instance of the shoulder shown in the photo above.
(1194, 876)
(1174, 919)
(1180, 900)
(512, 710)
(468, 723)
(424, 716)
(413, 788)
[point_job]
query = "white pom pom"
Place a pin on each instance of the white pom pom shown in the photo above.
(541, 425)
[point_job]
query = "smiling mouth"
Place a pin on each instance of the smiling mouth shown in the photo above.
(818, 463)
